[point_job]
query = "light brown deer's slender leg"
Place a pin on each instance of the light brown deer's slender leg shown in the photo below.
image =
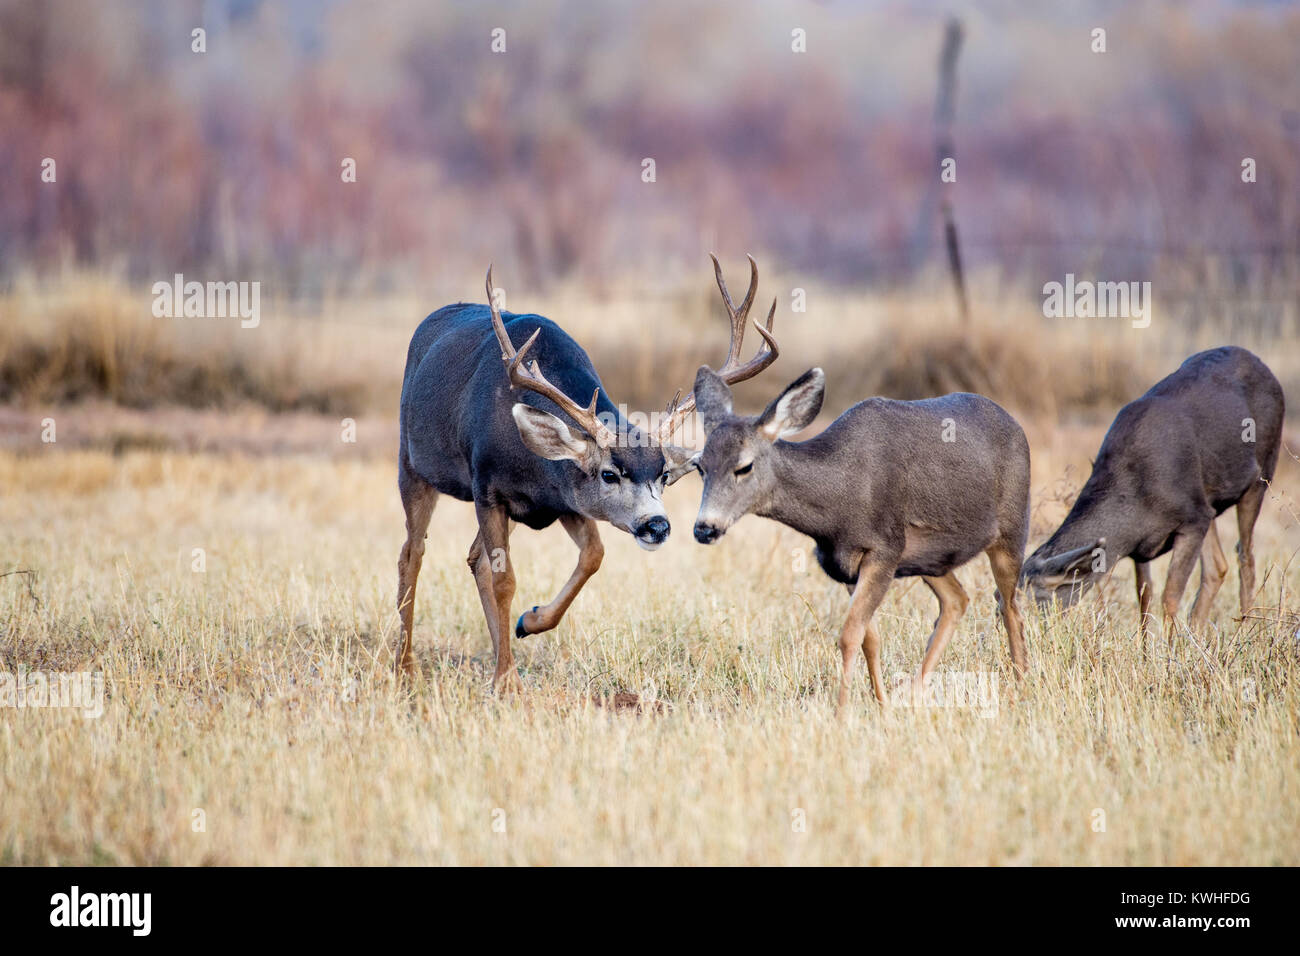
(1145, 588)
(1187, 547)
(952, 605)
(1247, 512)
(586, 535)
(871, 651)
(418, 500)
(873, 581)
(1214, 568)
(496, 580)
(1006, 573)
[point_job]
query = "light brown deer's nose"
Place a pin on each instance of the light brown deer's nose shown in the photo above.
(706, 533)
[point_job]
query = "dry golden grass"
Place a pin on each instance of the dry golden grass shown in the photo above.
(259, 692)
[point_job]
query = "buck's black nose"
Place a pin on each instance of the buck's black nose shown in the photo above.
(706, 533)
(656, 530)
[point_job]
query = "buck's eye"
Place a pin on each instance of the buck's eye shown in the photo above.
(609, 477)
(744, 469)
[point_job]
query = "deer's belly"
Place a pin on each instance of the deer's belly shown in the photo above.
(931, 553)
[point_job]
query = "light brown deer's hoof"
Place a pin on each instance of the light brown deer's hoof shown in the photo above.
(507, 685)
(624, 701)
(403, 666)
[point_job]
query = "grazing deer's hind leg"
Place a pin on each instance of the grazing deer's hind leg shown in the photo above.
(952, 605)
(873, 581)
(1214, 568)
(1006, 573)
(1247, 512)
(1187, 547)
(586, 535)
(418, 500)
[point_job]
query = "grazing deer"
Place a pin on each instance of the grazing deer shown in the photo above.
(509, 438)
(890, 489)
(1200, 441)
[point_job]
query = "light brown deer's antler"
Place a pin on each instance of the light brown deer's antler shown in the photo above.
(530, 377)
(731, 371)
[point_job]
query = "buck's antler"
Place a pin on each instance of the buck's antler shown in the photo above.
(731, 372)
(530, 378)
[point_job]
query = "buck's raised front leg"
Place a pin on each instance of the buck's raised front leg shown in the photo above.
(591, 552)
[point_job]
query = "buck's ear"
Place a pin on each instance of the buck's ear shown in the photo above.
(678, 461)
(712, 397)
(546, 435)
(794, 409)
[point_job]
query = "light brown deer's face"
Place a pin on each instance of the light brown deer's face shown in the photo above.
(738, 457)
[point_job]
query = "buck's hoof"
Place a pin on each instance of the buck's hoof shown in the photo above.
(519, 624)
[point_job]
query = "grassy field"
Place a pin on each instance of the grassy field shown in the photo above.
(250, 717)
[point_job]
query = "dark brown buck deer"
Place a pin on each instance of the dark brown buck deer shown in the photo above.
(481, 425)
(1200, 441)
(890, 489)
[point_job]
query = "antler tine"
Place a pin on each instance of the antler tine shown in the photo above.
(765, 357)
(737, 315)
(730, 371)
(743, 311)
(529, 377)
(507, 350)
(722, 285)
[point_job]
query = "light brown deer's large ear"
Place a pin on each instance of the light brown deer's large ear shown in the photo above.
(712, 397)
(794, 409)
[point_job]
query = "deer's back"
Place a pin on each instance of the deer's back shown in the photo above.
(1187, 441)
(941, 479)
(456, 430)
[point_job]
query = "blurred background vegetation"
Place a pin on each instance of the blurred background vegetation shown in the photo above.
(225, 165)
